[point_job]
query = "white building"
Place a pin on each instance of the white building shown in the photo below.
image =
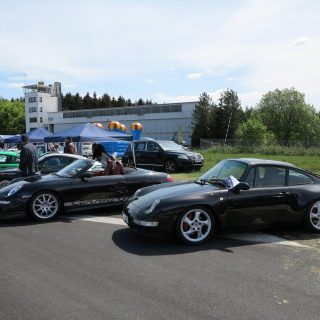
(39, 101)
(160, 121)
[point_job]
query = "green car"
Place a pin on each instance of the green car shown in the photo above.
(9, 159)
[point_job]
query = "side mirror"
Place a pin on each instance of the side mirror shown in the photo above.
(86, 175)
(241, 186)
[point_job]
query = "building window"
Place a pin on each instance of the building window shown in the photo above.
(41, 119)
(32, 99)
(32, 120)
(40, 99)
(40, 109)
(33, 109)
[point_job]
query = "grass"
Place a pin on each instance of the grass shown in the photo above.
(211, 157)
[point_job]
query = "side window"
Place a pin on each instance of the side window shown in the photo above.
(295, 178)
(13, 160)
(3, 159)
(250, 177)
(140, 146)
(153, 146)
(270, 176)
(64, 161)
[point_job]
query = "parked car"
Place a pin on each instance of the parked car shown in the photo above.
(48, 163)
(43, 197)
(267, 192)
(9, 159)
(163, 155)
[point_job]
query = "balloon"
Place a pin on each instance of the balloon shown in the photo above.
(123, 128)
(114, 125)
(98, 124)
(136, 129)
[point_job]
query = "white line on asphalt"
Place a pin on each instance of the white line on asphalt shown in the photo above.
(258, 237)
(109, 220)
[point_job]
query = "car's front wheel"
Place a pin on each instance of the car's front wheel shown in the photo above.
(195, 226)
(4, 183)
(313, 217)
(170, 166)
(44, 206)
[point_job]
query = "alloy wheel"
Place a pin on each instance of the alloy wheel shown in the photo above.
(314, 216)
(170, 166)
(45, 206)
(195, 225)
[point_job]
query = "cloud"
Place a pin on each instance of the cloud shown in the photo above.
(194, 76)
(300, 41)
(15, 85)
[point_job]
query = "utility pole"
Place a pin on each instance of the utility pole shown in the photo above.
(225, 140)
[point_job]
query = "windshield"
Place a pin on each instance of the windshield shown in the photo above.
(170, 145)
(74, 168)
(224, 169)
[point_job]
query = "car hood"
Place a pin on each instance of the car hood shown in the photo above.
(174, 190)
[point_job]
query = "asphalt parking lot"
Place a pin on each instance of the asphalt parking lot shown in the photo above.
(93, 267)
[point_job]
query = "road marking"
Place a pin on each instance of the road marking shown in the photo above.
(109, 220)
(257, 237)
(260, 237)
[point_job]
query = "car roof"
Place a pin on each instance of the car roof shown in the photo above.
(69, 155)
(256, 161)
(9, 153)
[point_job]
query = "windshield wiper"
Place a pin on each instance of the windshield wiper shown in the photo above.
(220, 182)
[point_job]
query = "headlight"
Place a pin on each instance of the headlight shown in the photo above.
(14, 190)
(183, 156)
(136, 194)
(152, 207)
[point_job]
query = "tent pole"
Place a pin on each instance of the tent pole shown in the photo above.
(133, 153)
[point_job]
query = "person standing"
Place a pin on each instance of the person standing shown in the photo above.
(28, 157)
(69, 146)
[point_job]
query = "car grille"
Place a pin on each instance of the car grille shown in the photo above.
(195, 157)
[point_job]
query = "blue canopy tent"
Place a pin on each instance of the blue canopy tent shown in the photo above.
(35, 136)
(88, 132)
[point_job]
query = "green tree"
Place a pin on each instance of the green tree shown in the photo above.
(288, 117)
(200, 123)
(253, 133)
(12, 116)
(228, 115)
(105, 101)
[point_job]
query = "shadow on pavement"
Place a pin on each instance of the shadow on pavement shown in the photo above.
(138, 244)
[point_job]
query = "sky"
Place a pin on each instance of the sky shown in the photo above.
(163, 50)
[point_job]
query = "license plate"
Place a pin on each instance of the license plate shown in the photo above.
(125, 218)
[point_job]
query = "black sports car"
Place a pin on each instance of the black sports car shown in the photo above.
(234, 193)
(73, 188)
(48, 163)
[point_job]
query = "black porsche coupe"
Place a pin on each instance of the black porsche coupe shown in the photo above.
(234, 193)
(74, 187)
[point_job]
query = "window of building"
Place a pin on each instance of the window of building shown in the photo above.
(40, 119)
(40, 99)
(40, 109)
(33, 109)
(32, 120)
(32, 99)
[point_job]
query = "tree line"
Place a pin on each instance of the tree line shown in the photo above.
(281, 117)
(77, 102)
(12, 116)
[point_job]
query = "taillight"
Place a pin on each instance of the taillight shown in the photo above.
(169, 179)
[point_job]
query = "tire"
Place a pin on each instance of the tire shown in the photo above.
(170, 166)
(313, 217)
(4, 183)
(44, 206)
(195, 226)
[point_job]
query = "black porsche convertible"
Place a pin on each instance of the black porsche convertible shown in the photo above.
(74, 187)
(234, 193)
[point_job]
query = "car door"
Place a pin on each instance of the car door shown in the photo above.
(267, 201)
(97, 191)
(153, 156)
(139, 151)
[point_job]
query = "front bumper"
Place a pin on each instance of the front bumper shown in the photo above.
(12, 207)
